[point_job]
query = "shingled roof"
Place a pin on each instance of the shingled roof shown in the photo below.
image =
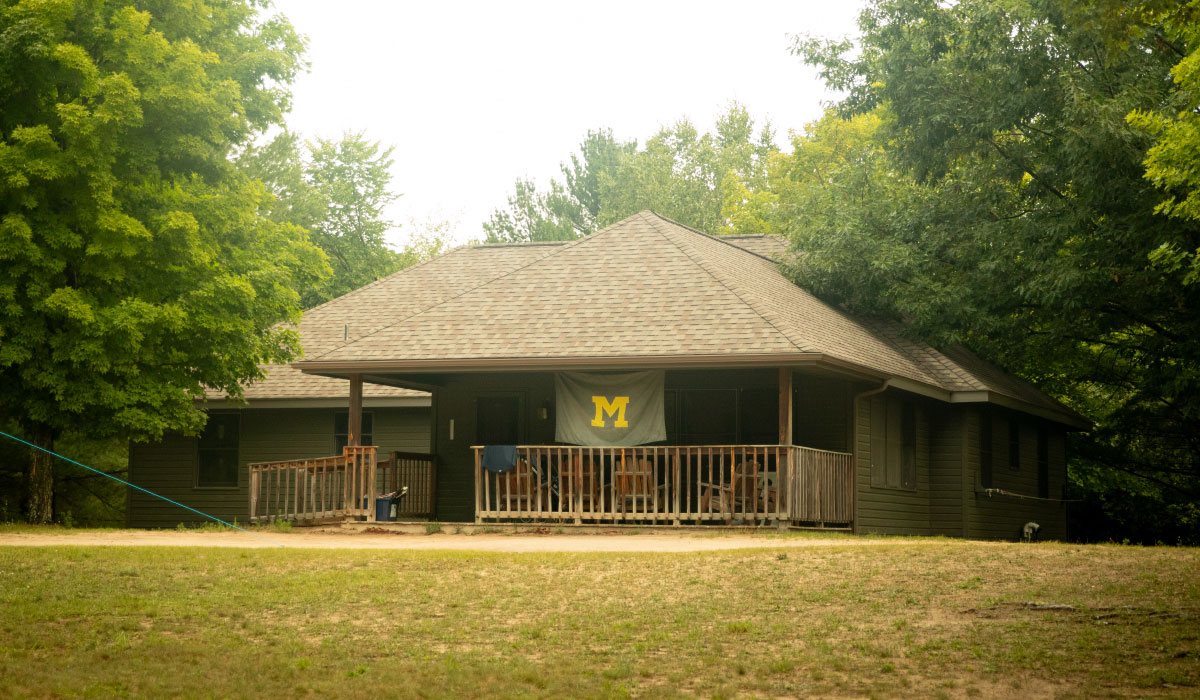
(645, 291)
(384, 302)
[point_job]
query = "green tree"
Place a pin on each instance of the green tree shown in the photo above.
(1005, 207)
(138, 265)
(1171, 161)
(534, 216)
(696, 179)
(426, 239)
(336, 190)
(353, 176)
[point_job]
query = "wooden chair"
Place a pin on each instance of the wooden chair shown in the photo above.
(744, 491)
(584, 478)
(716, 489)
(516, 488)
(636, 488)
(758, 491)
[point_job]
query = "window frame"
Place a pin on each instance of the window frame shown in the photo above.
(1014, 444)
(236, 450)
(894, 437)
(367, 417)
(1043, 462)
(987, 450)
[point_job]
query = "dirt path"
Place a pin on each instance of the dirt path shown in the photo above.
(484, 543)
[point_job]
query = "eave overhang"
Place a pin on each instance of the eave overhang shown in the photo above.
(377, 370)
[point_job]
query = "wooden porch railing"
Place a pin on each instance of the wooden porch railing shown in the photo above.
(669, 485)
(418, 472)
(314, 490)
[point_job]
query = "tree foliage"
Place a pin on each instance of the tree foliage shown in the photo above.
(1171, 161)
(696, 179)
(139, 267)
(980, 180)
(336, 190)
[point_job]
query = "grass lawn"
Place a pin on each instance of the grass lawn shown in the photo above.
(913, 619)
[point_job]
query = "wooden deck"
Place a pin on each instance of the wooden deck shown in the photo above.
(669, 485)
(343, 487)
(665, 485)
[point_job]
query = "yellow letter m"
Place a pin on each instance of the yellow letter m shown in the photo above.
(604, 407)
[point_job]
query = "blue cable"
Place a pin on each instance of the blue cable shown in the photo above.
(139, 488)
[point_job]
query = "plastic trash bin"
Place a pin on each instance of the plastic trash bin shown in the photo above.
(384, 509)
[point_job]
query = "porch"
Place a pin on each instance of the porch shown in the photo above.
(736, 453)
(669, 485)
(342, 487)
(757, 485)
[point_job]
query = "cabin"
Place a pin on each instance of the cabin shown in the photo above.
(647, 374)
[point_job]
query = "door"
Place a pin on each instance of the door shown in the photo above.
(499, 419)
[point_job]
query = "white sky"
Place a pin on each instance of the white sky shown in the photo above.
(473, 96)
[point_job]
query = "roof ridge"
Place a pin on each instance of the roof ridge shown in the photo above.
(709, 235)
(752, 300)
(733, 289)
(520, 244)
(892, 333)
(555, 250)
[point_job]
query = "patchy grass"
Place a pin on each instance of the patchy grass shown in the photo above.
(919, 619)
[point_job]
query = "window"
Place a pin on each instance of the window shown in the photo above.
(218, 451)
(341, 430)
(985, 450)
(893, 443)
(1014, 445)
(1043, 457)
(721, 416)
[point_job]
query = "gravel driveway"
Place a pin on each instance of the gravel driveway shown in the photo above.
(657, 542)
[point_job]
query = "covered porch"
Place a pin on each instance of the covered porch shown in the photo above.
(757, 447)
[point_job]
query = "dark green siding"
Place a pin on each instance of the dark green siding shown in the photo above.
(888, 510)
(169, 467)
(945, 471)
(455, 400)
(949, 498)
(1000, 516)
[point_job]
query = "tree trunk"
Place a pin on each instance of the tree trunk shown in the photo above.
(39, 477)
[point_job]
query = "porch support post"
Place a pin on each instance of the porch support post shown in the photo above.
(787, 470)
(785, 405)
(354, 438)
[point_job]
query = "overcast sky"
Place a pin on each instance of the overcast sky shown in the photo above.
(473, 96)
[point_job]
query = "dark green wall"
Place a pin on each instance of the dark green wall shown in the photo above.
(945, 470)
(887, 510)
(1004, 517)
(169, 467)
(949, 498)
(455, 400)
